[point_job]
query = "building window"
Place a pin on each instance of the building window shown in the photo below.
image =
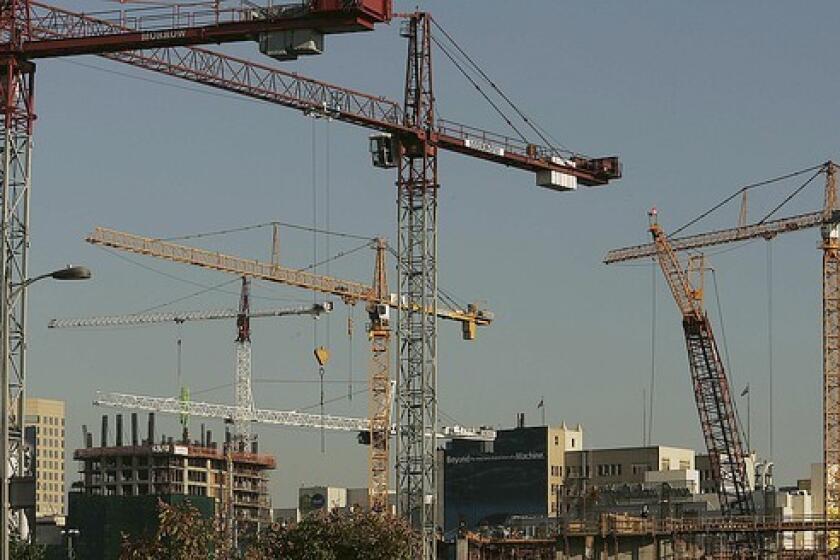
(665, 464)
(556, 440)
(685, 465)
(573, 443)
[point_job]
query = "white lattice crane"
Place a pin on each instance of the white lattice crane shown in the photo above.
(242, 413)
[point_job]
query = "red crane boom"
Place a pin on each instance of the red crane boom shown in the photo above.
(53, 27)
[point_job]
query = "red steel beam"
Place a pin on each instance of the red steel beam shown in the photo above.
(78, 34)
(51, 25)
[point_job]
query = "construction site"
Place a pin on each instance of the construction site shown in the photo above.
(297, 259)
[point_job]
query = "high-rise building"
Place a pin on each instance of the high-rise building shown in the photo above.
(47, 417)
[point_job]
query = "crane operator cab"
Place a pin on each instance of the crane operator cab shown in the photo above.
(380, 314)
(383, 150)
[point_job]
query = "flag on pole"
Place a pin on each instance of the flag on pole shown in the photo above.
(746, 390)
(541, 404)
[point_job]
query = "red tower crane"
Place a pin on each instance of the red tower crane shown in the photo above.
(413, 136)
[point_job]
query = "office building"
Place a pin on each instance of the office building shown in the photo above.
(46, 416)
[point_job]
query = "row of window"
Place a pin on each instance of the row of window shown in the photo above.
(47, 431)
(47, 475)
(609, 470)
(557, 441)
(615, 469)
(50, 420)
(49, 442)
(46, 464)
(49, 497)
(51, 486)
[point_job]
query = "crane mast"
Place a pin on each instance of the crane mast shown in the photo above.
(242, 383)
(831, 356)
(379, 386)
(711, 384)
(417, 212)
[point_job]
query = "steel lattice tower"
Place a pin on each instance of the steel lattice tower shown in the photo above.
(831, 356)
(417, 203)
(16, 88)
(242, 385)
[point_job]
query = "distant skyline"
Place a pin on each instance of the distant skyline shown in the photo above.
(697, 99)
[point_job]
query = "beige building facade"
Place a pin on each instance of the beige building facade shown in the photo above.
(47, 416)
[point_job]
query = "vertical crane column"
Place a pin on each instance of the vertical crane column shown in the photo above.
(417, 203)
(379, 382)
(244, 393)
(831, 355)
(16, 87)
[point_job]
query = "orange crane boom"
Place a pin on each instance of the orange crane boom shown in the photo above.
(711, 384)
(348, 290)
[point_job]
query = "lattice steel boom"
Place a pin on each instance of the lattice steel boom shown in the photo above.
(348, 290)
(172, 405)
(711, 385)
(138, 319)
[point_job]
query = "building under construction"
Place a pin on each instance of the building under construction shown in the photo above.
(235, 478)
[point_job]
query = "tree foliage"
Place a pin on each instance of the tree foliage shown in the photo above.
(22, 550)
(336, 536)
(183, 534)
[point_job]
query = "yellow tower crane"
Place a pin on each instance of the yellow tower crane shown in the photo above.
(379, 303)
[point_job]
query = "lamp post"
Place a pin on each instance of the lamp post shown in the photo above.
(14, 297)
(69, 534)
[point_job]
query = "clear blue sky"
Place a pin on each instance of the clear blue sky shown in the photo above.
(697, 99)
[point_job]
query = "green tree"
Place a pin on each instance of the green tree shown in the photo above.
(336, 536)
(182, 534)
(22, 550)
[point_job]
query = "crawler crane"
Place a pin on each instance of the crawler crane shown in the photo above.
(710, 382)
(828, 220)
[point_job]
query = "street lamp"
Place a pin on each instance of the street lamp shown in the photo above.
(69, 272)
(15, 296)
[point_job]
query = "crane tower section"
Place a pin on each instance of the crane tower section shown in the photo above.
(244, 393)
(710, 383)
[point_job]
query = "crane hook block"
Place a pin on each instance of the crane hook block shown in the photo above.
(322, 356)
